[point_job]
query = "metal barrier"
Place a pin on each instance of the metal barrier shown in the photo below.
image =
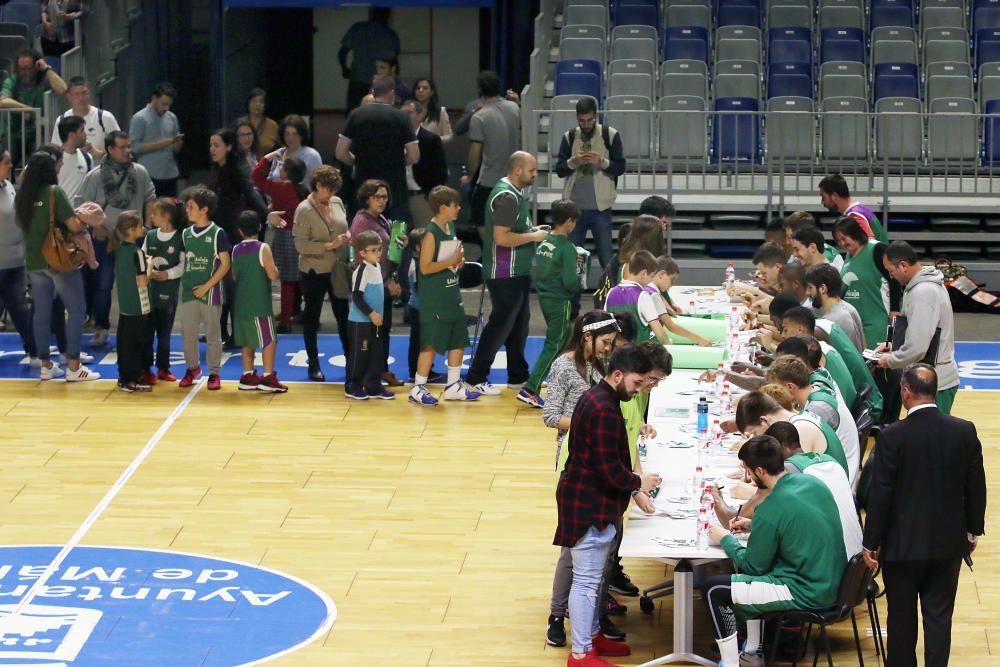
(22, 132)
(774, 158)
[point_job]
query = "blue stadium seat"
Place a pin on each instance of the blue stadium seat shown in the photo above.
(985, 15)
(987, 47)
(736, 136)
(789, 80)
(27, 13)
(896, 80)
(738, 14)
(685, 43)
(637, 12)
(991, 133)
(789, 45)
(842, 44)
(578, 77)
(894, 13)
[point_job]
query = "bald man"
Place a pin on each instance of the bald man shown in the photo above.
(508, 250)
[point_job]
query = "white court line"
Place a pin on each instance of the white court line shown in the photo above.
(119, 484)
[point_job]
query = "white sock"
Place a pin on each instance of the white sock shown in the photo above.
(753, 636)
(454, 374)
(729, 650)
(419, 379)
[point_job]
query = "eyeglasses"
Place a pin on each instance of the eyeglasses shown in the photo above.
(379, 197)
(653, 381)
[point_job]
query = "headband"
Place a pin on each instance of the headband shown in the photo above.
(600, 325)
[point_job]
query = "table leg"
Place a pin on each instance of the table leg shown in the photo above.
(683, 621)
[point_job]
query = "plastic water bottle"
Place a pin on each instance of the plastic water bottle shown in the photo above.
(734, 347)
(727, 401)
(730, 274)
(702, 529)
(720, 378)
(702, 416)
(699, 486)
(642, 448)
(733, 319)
(706, 499)
(692, 307)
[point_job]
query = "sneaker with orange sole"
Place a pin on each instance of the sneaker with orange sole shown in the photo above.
(165, 376)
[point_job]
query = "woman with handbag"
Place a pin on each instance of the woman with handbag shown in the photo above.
(53, 261)
(322, 239)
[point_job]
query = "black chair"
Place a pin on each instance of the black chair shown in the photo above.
(861, 401)
(470, 276)
(872, 595)
(865, 423)
(853, 591)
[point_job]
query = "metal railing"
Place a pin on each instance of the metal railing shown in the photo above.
(22, 132)
(774, 156)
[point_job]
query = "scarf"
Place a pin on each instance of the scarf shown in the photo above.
(119, 182)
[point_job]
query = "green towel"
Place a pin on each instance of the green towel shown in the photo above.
(713, 330)
(694, 357)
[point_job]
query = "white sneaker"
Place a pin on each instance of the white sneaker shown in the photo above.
(99, 339)
(484, 388)
(458, 391)
(82, 374)
(84, 358)
(53, 371)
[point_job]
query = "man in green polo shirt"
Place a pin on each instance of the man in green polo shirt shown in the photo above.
(25, 89)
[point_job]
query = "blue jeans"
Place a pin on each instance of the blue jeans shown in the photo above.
(590, 555)
(599, 224)
(99, 282)
(12, 297)
(45, 285)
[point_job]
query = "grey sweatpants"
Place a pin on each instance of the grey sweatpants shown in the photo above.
(193, 314)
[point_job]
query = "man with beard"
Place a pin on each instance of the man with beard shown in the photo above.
(824, 286)
(836, 198)
(794, 559)
(593, 492)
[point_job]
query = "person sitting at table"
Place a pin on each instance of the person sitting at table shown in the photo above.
(593, 493)
(818, 397)
(666, 274)
(792, 280)
(767, 260)
(630, 295)
(794, 559)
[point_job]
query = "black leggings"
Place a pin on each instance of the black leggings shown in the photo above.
(315, 286)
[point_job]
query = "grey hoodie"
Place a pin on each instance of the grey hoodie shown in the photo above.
(926, 306)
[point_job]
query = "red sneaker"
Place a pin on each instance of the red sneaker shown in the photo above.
(589, 660)
(616, 608)
(610, 647)
(148, 378)
(271, 384)
(190, 377)
(249, 381)
(214, 382)
(166, 376)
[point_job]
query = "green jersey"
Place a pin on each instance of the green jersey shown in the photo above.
(130, 264)
(833, 446)
(165, 253)
(837, 370)
(797, 541)
(252, 296)
(855, 363)
(38, 227)
(439, 293)
(501, 261)
(202, 246)
(634, 412)
(555, 268)
(867, 291)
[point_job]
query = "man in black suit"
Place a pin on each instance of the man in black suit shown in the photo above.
(430, 171)
(926, 510)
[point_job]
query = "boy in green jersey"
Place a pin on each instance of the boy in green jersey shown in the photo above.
(442, 316)
(135, 341)
(557, 279)
(253, 312)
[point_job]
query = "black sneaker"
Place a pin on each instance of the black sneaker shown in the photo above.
(621, 584)
(556, 635)
(610, 630)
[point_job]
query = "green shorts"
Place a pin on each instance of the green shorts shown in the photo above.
(254, 332)
(443, 335)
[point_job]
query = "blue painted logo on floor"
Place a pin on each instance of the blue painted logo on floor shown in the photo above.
(978, 363)
(142, 607)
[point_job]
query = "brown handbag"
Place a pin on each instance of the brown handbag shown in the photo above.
(61, 253)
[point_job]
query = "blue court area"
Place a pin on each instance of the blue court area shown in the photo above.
(978, 362)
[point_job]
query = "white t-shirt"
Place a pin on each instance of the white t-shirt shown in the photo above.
(95, 133)
(73, 171)
(650, 307)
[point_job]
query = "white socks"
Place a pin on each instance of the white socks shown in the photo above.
(753, 636)
(729, 650)
(419, 379)
(454, 374)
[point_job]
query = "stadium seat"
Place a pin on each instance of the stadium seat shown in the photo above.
(621, 113)
(843, 79)
(737, 43)
(639, 48)
(899, 131)
(15, 29)
(679, 15)
(586, 15)
(582, 48)
(985, 16)
(737, 78)
(27, 13)
(891, 13)
(790, 16)
(952, 136)
(562, 117)
(789, 45)
(637, 14)
(686, 43)
(989, 83)
(635, 31)
(991, 134)
(842, 44)
(682, 127)
(684, 78)
(628, 66)
(987, 46)
(738, 14)
(899, 80)
(789, 80)
(948, 80)
(578, 77)
(893, 45)
(584, 31)
(791, 131)
(630, 84)
(943, 17)
(844, 129)
(735, 130)
(946, 45)
(841, 15)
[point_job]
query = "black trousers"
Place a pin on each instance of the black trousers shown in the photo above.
(162, 322)
(365, 363)
(386, 327)
(935, 582)
(507, 326)
(135, 347)
(412, 317)
(316, 286)
(477, 204)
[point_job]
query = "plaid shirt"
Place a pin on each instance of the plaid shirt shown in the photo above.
(596, 484)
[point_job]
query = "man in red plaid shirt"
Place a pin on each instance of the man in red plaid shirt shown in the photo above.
(594, 491)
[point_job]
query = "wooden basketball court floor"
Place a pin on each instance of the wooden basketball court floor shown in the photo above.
(431, 529)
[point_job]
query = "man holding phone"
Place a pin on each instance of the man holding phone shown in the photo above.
(591, 159)
(157, 138)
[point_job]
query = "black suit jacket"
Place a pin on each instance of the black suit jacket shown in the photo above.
(928, 488)
(432, 169)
